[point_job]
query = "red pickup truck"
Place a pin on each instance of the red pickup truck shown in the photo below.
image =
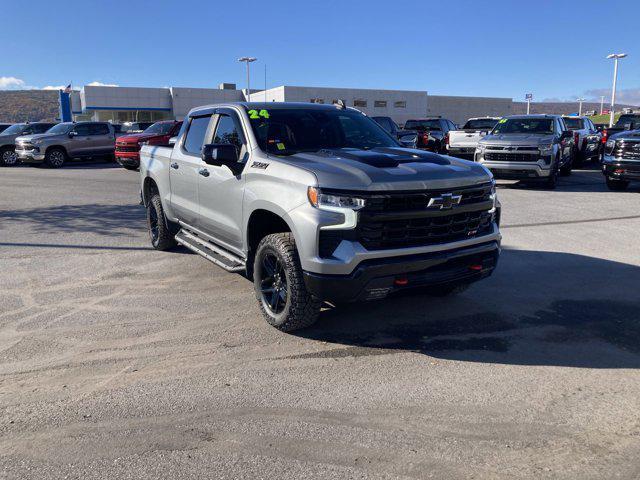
(128, 146)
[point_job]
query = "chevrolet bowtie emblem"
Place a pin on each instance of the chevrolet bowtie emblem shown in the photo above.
(444, 201)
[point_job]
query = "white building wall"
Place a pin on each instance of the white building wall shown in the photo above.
(184, 99)
(460, 109)
(125, 98)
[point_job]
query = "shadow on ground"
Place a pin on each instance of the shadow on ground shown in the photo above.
(113, 220)
(539, 308)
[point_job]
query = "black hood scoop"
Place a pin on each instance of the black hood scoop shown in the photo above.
(384, 157)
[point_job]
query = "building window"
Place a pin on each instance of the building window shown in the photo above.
(360, 103)
(380, 103)
(400, 104)
(317, 100)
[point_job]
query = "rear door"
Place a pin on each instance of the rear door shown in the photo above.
(220, 192)
(103, 142)
(186, 161)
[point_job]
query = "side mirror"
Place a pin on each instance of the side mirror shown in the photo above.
(219, 154)
(173, 141)
(73, 134)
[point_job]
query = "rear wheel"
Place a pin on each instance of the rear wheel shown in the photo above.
(161, 236)
(55, 157)
(617, 185)
(8, 157)
(279, 286)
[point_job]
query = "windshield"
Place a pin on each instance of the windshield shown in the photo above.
(286, 131)
(623, 120)
(524, 125)
(61, 128)
(422, 125)
(480, 124)
(14, 129)
(160, 128)
(573, 123)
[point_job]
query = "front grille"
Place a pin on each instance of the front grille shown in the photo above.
(402, 219)
(627, 150)
(511, 157)
(127, 148)
(24, 146)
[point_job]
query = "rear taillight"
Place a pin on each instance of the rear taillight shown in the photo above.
(425, 138)
(446, 139)
(605, 135)
(576, 138)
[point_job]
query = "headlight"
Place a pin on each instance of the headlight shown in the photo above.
(609, 146)
(546, 149)
(322, 200)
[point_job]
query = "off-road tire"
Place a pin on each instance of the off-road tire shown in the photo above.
(447, 289)
(4, 153)
(159, 232)
(617, 185)
(301, 308)
(551, 182)
(565, 170)
(55, 158)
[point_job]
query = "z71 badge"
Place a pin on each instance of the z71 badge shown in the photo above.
(261, 165)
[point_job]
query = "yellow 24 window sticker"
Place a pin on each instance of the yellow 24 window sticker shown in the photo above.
(255, 114)
(504, 120)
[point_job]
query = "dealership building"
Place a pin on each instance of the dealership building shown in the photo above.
(127, 104)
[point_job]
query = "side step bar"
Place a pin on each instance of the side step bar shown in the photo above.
(211, 252)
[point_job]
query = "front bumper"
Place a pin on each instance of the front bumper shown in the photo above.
(30, 156)
(128, 159)
(620, 169)
(516, 170)
(376, 278)
(466, 153)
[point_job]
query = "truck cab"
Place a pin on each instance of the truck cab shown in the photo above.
(318, 203)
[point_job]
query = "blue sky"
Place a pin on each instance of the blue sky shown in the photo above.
(554, 49)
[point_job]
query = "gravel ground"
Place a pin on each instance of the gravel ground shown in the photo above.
(117, 361)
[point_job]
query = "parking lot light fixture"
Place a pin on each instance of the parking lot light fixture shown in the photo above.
(248, 60)
(580, 100)
(615, 57)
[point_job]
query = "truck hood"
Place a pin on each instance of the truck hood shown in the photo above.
(388, 169)
(8, 139)
(39, 136)
(518, 139)
(136, 137)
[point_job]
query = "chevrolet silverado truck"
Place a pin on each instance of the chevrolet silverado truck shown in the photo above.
(318, 203)
(626, 122)
(128, 146)
(586, 138)
(621, 159)
(432, 132)
(408, 138)
(532, 148)
(462, 143)
(67, 141)
(8, 156)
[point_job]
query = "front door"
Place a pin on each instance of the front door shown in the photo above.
(186, 162)
(219, 190)
(81, 144)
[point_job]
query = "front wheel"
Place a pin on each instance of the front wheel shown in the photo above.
(279, 286)
(617, 185)
(552, 181)
(55, 158)
(565, 170)
(8, 157)
(159, 232)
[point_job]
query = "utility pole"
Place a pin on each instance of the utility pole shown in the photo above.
(601, 104)
(248, 60)
(580, 100)
(615, 57)
(528, 97)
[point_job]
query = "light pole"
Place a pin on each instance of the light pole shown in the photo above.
(580, 100)
(615, 57)
(601, 104)
(248, 60)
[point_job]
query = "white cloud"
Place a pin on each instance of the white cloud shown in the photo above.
(12, 83)
(54, 87)
(625, 95)
(100, 84)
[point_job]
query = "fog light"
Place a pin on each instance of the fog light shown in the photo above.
(618, 171)
(475, 267)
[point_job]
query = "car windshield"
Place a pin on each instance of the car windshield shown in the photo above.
(480, 124)
(286, 131)
(524, 125)
(573, 123)
(623, 120)
(422, 125)
(160, 128)
(61, 128)
(14, 129)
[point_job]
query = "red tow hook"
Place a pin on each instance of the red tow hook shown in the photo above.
(475, 267)
(401, 281)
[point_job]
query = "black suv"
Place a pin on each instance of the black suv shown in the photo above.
(433, 132)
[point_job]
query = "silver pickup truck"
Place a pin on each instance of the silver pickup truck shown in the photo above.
(318, 203)
(621, 159)
(462, 143)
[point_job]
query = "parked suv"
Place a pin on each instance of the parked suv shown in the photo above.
(67, 141)
(433, 132)
(621, 159)
(8, 137)
(407, 138)
(128, 146)
(586, 138)
(528, 147)
(318, 203)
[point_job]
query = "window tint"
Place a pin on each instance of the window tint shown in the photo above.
(480, 123)
(226, 132)
(82, 130)
(573, 123)
(99, 129)
(385, 123)
(195, 135)
(40, 128)
(422, 125)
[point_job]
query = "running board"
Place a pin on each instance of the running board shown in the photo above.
(211, 252)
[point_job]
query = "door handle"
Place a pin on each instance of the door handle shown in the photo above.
(175, 166)
(204, 172)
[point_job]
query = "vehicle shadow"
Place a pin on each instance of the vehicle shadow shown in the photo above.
(539, 308)
(113, 220)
